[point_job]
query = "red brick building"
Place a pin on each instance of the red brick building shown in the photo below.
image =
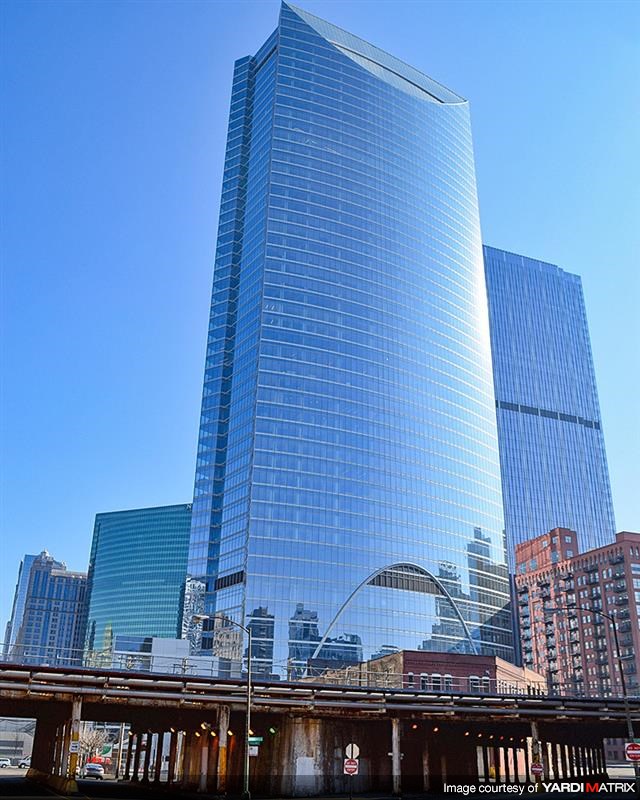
(439, 672)
(574, 648)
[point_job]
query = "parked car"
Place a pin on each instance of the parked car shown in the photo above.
(25, 763)
(4, 762)
(92, 770)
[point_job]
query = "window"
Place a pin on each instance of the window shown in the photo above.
(436, 682)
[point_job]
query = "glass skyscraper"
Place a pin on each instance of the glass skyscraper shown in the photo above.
(347, 496)
(51, 601)
(137, 569)
(19, 598)
(554, 467)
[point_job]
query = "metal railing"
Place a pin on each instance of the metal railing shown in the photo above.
(366, 675)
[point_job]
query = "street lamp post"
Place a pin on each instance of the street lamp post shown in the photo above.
(623, 682)
(197, 618)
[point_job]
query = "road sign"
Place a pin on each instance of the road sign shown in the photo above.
(537, 768)
(632, 751)
(253, 750)
(352, 750)
(351, 766)
(256, 740)
(74, 747)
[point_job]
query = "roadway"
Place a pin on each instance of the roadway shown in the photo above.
(14, 786)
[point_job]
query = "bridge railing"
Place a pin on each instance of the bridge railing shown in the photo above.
(361, 675)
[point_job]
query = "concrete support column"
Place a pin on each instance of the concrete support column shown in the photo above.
(173, 752)
(579, 762)
(204, 763)
(147, 757)
(557, 774)
(223, 739)
(212, 761)
(180, 745)
(191, 761)
(43, 747)
(396, 768)
(64, 760)
(57, 755)
(546, 760)
(127, 766)
(74, 744)
(426, 769)
(186, 757)
(136, 757)
(158, 763)
(536, 749)
(564, 766)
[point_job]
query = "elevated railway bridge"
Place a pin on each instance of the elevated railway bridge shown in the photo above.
(188, 732)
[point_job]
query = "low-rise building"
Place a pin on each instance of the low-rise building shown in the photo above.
(437, 672)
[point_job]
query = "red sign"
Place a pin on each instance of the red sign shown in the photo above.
(632, 751)
(351, 766)
(537, 769)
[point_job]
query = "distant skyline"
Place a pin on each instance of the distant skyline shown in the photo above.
(112, 159)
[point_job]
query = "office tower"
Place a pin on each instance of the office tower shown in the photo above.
(348, 443)
(552, 454)
(17, 609)
(573, 648)
(52, 624)
(137, 571)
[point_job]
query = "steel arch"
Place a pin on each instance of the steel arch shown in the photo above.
(372, 577)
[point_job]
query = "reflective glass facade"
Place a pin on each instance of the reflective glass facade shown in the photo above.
(554, 467)
(347, 496)
(137, 571)
(19, 597)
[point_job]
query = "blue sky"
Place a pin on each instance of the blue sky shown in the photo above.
(113, 143)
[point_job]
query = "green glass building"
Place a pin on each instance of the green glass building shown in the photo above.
(137, 572)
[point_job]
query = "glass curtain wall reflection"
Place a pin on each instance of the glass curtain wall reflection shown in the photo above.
(137, 569)
(554, 465)
(347, 497)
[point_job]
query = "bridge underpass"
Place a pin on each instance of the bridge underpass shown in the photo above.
(187, 733)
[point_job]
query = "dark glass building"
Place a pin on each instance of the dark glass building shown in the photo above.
(51, 624)
(137, 571)
(552, 454)
(347, 495)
